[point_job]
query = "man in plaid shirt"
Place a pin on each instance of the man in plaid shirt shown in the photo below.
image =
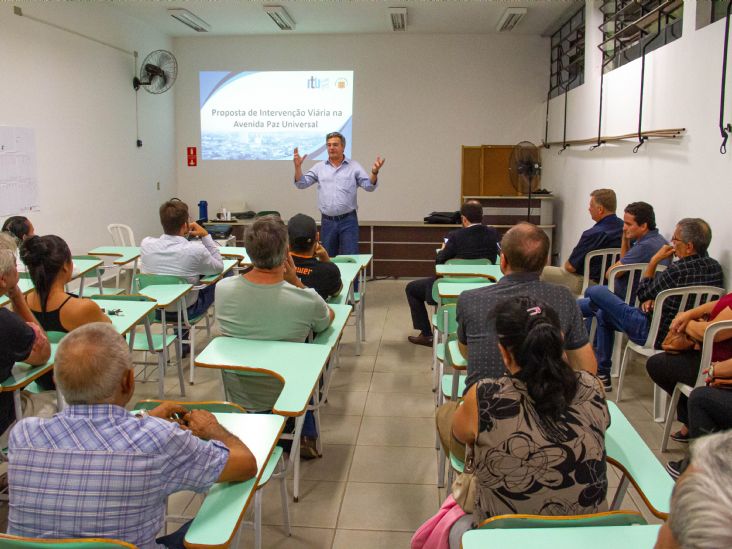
(693, 268)
(95, 470)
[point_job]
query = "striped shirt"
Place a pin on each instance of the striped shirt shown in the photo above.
(98, 471)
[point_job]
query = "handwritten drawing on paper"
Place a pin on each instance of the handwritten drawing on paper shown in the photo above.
(18, 179)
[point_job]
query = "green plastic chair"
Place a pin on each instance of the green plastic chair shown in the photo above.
(17, 542)
(154, 343)
(190, 324)
(453, 280)
(276, 461)
(608, 518)
(458, 261)
(96, 274)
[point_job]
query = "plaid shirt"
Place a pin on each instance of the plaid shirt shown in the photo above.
(98, 471)
(693, 270)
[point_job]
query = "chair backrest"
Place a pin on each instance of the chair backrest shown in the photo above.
(18, 542)
(342, 259)
(446, 319)
(690, 297)
(708, 346)
(608, 518)
(143, 280)
(121, 234)
(633, 273)
(213, 406)
(606, 257)
(454, 280)
(459, 261)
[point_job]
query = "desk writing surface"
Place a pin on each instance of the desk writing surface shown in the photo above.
(595, 537)
(22, 374)
(131, 312)
(298, 365)
(236, 251)
(361, 259)
(349, 272)
(124, 254)
(228, 265)
(469, 270)
(166, 294)
(217, 519)
(454, 289)
(25, 285)
(83, 266)
(330, 335)
(625, 446)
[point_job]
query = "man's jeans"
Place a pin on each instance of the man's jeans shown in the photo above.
(341, 236)
(613, 314)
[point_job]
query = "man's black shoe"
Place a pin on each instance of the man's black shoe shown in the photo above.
(421, 340)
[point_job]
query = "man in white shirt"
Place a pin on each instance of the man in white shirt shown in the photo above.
(174, 254)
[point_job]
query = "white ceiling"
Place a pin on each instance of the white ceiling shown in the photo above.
(247, 17)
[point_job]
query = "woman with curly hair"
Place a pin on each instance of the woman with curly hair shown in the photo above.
(538, 431)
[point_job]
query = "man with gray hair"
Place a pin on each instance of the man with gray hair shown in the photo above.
(268, 302)
(607, 232)
(21, 337)
(693, 268)
(94, 469)
(701, 503)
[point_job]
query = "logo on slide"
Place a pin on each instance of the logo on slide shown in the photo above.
(341, 83)
(317, 83)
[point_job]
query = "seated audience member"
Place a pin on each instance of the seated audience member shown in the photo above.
(607, 232)
(89, 449)
(473, 241)
(174, 254)
(694, 267)
(268, 302)
(524, 252)
(49, 263)
(539, 410)
(701, 503)
(20, 228)
(312, 262)
(21, 337)
(667, 369)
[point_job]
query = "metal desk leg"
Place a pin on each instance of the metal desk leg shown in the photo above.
(295, 457)
(18, 406)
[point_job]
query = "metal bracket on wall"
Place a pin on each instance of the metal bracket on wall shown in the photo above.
(725, 130)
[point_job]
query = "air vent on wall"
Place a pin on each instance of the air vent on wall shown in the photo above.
(398, 18)
(189, 19)
(279, 15)
(510, 19)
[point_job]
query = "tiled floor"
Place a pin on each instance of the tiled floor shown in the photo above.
(376, 481)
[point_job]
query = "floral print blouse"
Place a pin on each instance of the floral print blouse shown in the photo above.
(529, 464)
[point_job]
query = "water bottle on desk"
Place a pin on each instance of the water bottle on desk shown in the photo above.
(203, 210)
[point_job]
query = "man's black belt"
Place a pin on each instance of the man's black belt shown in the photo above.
(337, 217)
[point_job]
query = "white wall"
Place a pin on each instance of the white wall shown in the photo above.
(687, 177)
(78, 97)
(417, 99)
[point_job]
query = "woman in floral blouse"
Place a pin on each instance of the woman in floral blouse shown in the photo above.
(539, 430)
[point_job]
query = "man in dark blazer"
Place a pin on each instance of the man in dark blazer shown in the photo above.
(473, 241)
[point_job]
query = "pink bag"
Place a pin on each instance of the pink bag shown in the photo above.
(435, 533)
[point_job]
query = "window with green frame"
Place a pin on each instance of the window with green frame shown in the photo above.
(630, 25)
(567, 58)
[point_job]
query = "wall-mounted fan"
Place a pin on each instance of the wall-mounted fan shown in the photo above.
(524, 169)
(157, 73)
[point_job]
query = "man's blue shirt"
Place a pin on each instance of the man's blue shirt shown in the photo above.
(337, 186)
(606, 233)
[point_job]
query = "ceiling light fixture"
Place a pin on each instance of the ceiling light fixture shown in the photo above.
(510, 19)
(398, 18)
(279, 15)
(189, 19)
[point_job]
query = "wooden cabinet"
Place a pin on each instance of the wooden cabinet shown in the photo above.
(485, 171)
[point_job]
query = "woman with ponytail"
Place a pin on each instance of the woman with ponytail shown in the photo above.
(538, 431)
(49, 264)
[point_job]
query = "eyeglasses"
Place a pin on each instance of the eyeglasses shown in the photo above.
(675, 238)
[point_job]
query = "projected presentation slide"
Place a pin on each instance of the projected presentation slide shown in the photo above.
(264, 115)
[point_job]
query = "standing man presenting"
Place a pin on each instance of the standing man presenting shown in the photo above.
(338, 179)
